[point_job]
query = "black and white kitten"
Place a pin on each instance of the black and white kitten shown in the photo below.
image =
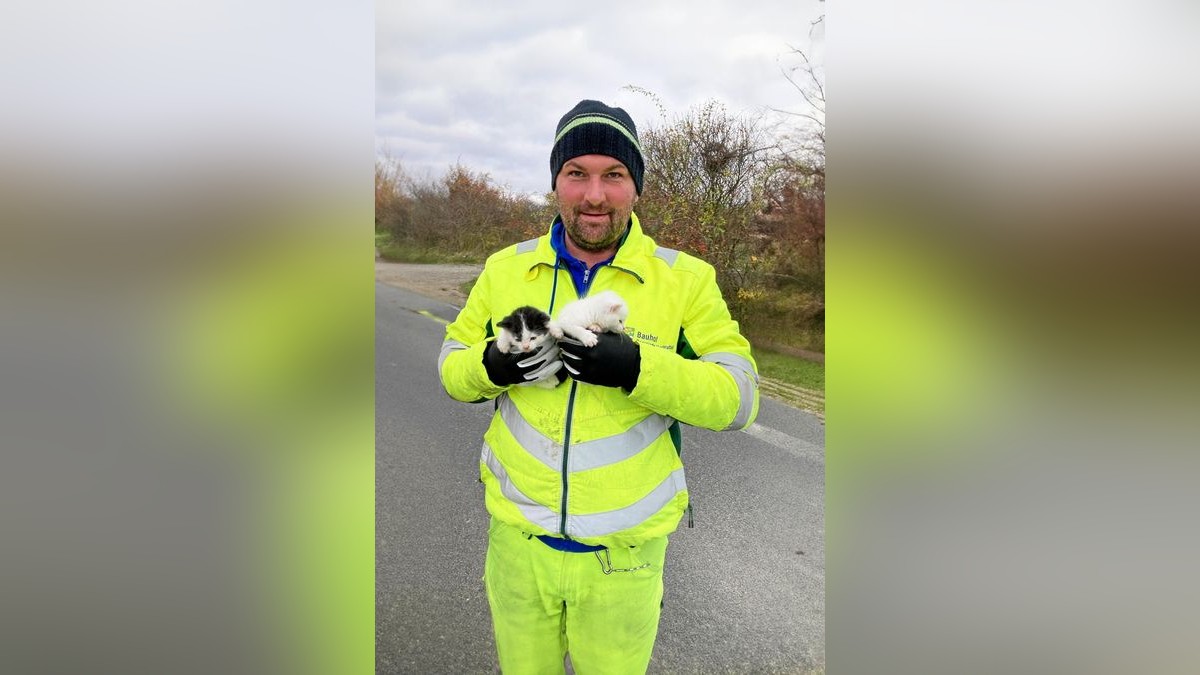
(525, 331)
(604, 312)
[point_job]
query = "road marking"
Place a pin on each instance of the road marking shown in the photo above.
(792, 445)
(430, 315)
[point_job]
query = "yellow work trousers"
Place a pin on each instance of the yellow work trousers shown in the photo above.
(546, 603)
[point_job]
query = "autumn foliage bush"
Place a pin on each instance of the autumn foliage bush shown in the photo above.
(462, 215)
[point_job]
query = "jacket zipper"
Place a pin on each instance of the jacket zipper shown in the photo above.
(562, 528)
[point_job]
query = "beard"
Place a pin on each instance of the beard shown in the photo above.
(596, 237)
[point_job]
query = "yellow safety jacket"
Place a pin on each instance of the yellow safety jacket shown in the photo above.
(590, 463)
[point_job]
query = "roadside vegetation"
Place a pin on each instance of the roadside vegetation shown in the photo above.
(743, 195)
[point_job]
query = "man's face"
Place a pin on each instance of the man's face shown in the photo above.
(596, 195)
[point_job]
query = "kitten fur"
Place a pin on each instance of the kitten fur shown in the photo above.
(603, 312)
(524, 331)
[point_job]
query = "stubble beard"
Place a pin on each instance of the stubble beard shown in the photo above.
(579, 232)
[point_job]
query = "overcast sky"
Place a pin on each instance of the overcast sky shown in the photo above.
(485, 83)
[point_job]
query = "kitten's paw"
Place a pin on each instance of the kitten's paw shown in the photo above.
(580, 334)
(556, 330)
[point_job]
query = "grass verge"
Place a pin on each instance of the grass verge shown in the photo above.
(796, 381)
(393, 251)
(795, 371)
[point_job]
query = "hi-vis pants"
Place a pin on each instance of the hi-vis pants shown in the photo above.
(546, 603)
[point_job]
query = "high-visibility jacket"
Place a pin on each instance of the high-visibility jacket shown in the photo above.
(590, 463)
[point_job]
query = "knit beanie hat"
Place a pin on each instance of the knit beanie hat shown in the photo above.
(592, 128)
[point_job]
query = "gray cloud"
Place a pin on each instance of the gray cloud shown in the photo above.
(484, 85)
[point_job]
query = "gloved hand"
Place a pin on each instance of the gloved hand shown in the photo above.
(615, 361)
(507, 369)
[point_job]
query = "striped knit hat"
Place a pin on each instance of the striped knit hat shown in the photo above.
(592, 128)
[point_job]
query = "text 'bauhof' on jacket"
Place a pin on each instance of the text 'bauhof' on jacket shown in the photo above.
(593, 463)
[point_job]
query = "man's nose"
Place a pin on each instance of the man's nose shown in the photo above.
(595, 191)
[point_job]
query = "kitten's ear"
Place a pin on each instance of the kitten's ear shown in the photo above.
(538, 319)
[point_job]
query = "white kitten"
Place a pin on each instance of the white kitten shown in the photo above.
(582, 319)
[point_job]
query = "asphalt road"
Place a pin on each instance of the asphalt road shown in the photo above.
(745, 588)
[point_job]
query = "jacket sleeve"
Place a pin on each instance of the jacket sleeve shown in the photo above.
(460, 363)
(718, 388)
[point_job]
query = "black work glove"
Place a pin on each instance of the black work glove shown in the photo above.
(506, 369)
(615, 361)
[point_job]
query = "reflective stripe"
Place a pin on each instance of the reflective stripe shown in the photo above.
(527, 246)
(593, 524)
(535, 513)
(609, 522)
(449, 347)
(612, 449)
(599, 118)
(588, 454)
(667, 254)
(732, 361)
(747, 381)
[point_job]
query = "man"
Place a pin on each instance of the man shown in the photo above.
(584, 481)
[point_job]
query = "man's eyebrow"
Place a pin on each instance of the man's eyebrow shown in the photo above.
(614, 166)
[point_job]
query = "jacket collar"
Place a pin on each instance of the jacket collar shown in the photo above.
(630, 256)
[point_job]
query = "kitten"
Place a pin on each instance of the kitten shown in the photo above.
(524, 331)
(582, 319)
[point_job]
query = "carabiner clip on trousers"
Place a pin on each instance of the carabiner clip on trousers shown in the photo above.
(607, 568)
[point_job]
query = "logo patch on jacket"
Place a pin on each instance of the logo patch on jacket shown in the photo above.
(645, 338)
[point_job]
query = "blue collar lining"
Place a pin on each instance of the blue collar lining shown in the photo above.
(577, 268)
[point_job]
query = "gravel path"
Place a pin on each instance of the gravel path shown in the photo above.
(441, 282)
